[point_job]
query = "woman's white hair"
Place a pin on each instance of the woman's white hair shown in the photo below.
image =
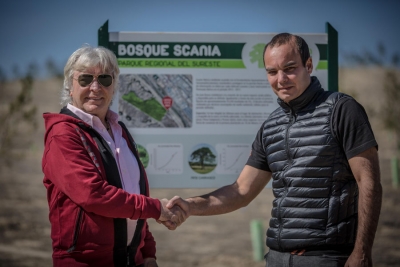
(85, 58)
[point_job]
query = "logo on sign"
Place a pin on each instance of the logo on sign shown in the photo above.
(167, 102)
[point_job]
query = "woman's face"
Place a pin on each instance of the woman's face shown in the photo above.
(94, 98)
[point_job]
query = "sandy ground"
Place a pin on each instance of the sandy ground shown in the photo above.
(218, 241)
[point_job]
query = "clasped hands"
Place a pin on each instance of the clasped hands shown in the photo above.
(173, 212)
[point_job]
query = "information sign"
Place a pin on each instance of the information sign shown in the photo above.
(195, 101)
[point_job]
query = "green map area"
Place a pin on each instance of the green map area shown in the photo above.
(150, 107)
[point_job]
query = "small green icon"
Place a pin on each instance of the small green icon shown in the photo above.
(143, 155)
(256, 55)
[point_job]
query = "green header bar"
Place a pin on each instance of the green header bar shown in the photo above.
(177, 50)
(180, 63)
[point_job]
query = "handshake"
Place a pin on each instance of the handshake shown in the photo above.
(173, 212)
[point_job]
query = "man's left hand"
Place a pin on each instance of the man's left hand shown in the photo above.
(359, 260)
(150, 262)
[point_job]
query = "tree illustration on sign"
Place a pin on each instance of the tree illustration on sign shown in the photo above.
(256, 55)
(202, 160)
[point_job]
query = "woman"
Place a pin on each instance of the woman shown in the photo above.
(96, 185)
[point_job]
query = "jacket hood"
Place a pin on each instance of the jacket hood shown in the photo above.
(65, 115)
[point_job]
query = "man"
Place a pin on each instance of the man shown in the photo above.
(321, 153)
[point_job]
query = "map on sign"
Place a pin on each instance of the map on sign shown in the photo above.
(156, 100)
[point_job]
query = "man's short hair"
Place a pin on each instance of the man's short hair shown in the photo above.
(285, 38)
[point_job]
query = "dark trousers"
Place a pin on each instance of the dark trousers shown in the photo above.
(285, 259)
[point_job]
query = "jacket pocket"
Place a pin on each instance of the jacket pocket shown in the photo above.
(76, 231)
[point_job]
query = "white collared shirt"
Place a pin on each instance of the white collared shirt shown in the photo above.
(127, 164)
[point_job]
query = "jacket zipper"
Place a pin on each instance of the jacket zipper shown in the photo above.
(291, 121)
(76, 231)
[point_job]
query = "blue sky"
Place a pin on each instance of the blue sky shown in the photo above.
(33, 31)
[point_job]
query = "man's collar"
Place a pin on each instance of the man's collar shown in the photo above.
(305, 98)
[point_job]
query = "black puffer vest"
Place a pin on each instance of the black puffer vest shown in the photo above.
(316, 195)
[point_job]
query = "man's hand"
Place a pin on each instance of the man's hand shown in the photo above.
(171, 217)
(174, 204)
(178, 201)
(150, 262)
(359, 260)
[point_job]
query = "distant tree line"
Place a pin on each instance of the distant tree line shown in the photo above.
(18, 112)
(390, 112)
(369, 58)
(17, 117)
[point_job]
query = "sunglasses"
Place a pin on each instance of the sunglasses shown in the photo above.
(85, 80)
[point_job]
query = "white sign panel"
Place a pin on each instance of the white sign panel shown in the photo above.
(195, 101)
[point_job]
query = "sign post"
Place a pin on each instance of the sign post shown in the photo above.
(332, 56)
(103, 35)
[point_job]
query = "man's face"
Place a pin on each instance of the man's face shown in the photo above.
(285, 71)
(94, 98)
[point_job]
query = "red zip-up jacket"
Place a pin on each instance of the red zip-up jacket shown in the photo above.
(83, 206)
